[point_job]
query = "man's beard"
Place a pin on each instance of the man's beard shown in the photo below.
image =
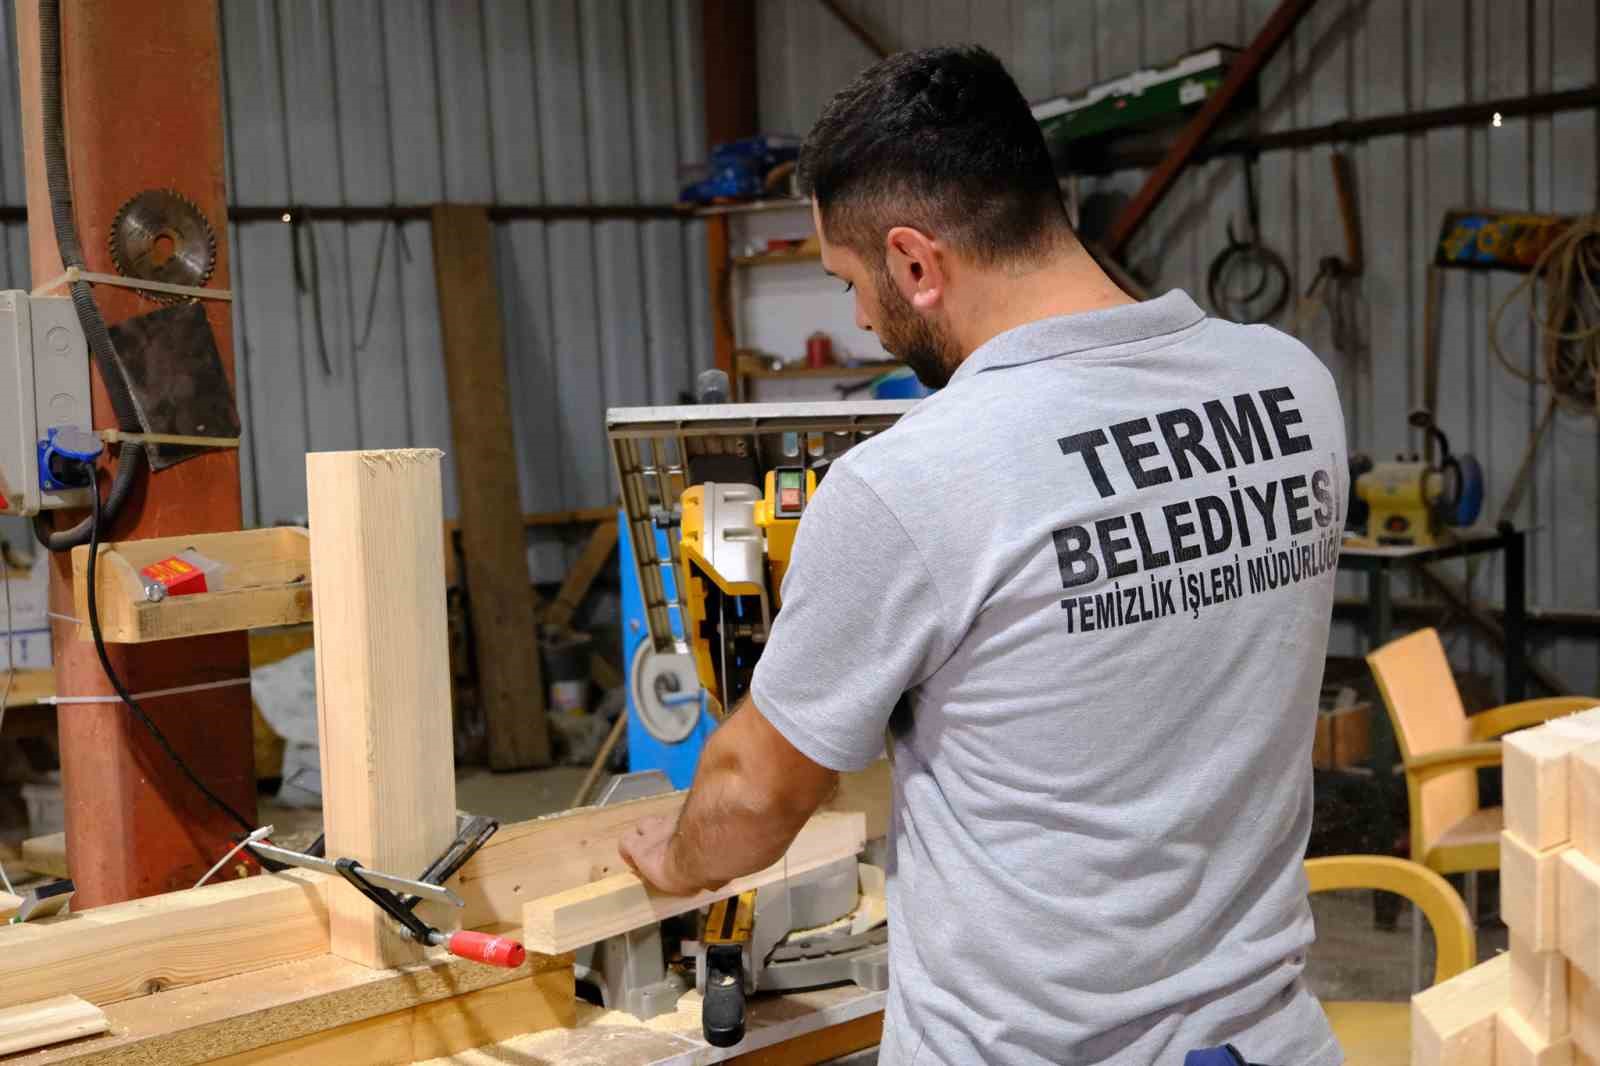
(927, 348)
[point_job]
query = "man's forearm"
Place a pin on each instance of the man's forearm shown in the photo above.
(740, 817)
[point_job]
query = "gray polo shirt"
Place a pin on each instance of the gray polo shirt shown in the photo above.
(1099, 565)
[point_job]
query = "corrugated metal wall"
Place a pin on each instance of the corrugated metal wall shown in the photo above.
(514, 102)
(1348, 59)
(522, 102)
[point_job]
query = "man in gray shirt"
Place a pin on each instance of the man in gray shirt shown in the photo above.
(1094, 573)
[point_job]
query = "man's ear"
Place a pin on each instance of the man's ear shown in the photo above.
(917, 265)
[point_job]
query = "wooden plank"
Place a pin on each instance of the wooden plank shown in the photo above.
(278, 1007)
(528, 860)
(1528, 880)
(130, 949)
(542, 857)
(825, 1046)
(1578, 927)
(1453, 1023)
(49, 1021)
(9, 905)
(443, 1027)
(597, 551)
(589, 913)
(46, 855)
(1516, 1044)
(1539, 989)
(383, 678)
(500, 596)
(1583, 1012)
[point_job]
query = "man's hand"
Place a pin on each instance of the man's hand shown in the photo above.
(647, 849)
(752, 793)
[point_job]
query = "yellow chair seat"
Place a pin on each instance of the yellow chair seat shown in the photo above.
(1471, 844)
(1371, 1034)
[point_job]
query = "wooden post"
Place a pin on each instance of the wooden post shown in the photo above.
(135, 825)
(383, 678)
(728, 41)
(499, 590)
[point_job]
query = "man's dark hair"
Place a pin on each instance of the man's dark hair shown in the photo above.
(941, 140)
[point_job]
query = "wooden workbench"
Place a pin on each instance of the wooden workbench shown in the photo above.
(811, 1027)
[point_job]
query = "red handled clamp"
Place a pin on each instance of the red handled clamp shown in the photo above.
(398, 896)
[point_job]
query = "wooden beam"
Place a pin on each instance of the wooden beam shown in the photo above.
(49, 1021)
(857, 30)
(1242, 71)
(612, 905)
(317, 1003)
(1539, 988)
(131, 949)
(728, 50)
(596, 551)
(533, 859)
(499, 594)
(435, 1030)
(1528, 879)
(383, 678)
(46, 855)
(719, 284)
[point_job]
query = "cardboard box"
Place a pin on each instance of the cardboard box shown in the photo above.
(30, 625)
(1344, 737)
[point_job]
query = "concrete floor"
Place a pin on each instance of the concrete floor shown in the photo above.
(1352, 958)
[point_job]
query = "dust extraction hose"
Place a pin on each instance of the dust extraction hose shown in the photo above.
(132, 460)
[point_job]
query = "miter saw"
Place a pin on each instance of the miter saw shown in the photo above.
(712, 498)
(1413, 502)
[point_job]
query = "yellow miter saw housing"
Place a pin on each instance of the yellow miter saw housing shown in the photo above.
(735, 548)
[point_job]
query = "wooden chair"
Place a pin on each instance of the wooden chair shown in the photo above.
(1441, 750)
(1379, 1034)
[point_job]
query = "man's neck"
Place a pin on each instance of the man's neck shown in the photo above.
(996, 301)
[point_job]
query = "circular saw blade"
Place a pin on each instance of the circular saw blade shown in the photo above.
(161, 235)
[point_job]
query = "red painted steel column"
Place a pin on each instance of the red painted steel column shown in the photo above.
(142, 95)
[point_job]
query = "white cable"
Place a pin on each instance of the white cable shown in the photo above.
(114, 698)
(254, 838)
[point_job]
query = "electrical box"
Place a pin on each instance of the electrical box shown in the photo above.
(44, 386)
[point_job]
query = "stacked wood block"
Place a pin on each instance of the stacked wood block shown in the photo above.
(1539, 1003)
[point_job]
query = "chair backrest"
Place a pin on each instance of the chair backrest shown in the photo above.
(1455, 941)
(1425, 709)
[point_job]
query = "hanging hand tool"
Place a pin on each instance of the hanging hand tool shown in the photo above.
(398, 896)
(1248, 282)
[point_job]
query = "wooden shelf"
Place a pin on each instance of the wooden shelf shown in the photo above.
(786, 203)
(776, 258)
(267, 583)
(796, 372)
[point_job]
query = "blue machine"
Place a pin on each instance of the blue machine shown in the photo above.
(667, 720)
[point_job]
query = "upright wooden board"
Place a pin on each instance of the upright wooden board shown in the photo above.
(383, 678)
(1578, 927)
(498, 587)
(49, 1021)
